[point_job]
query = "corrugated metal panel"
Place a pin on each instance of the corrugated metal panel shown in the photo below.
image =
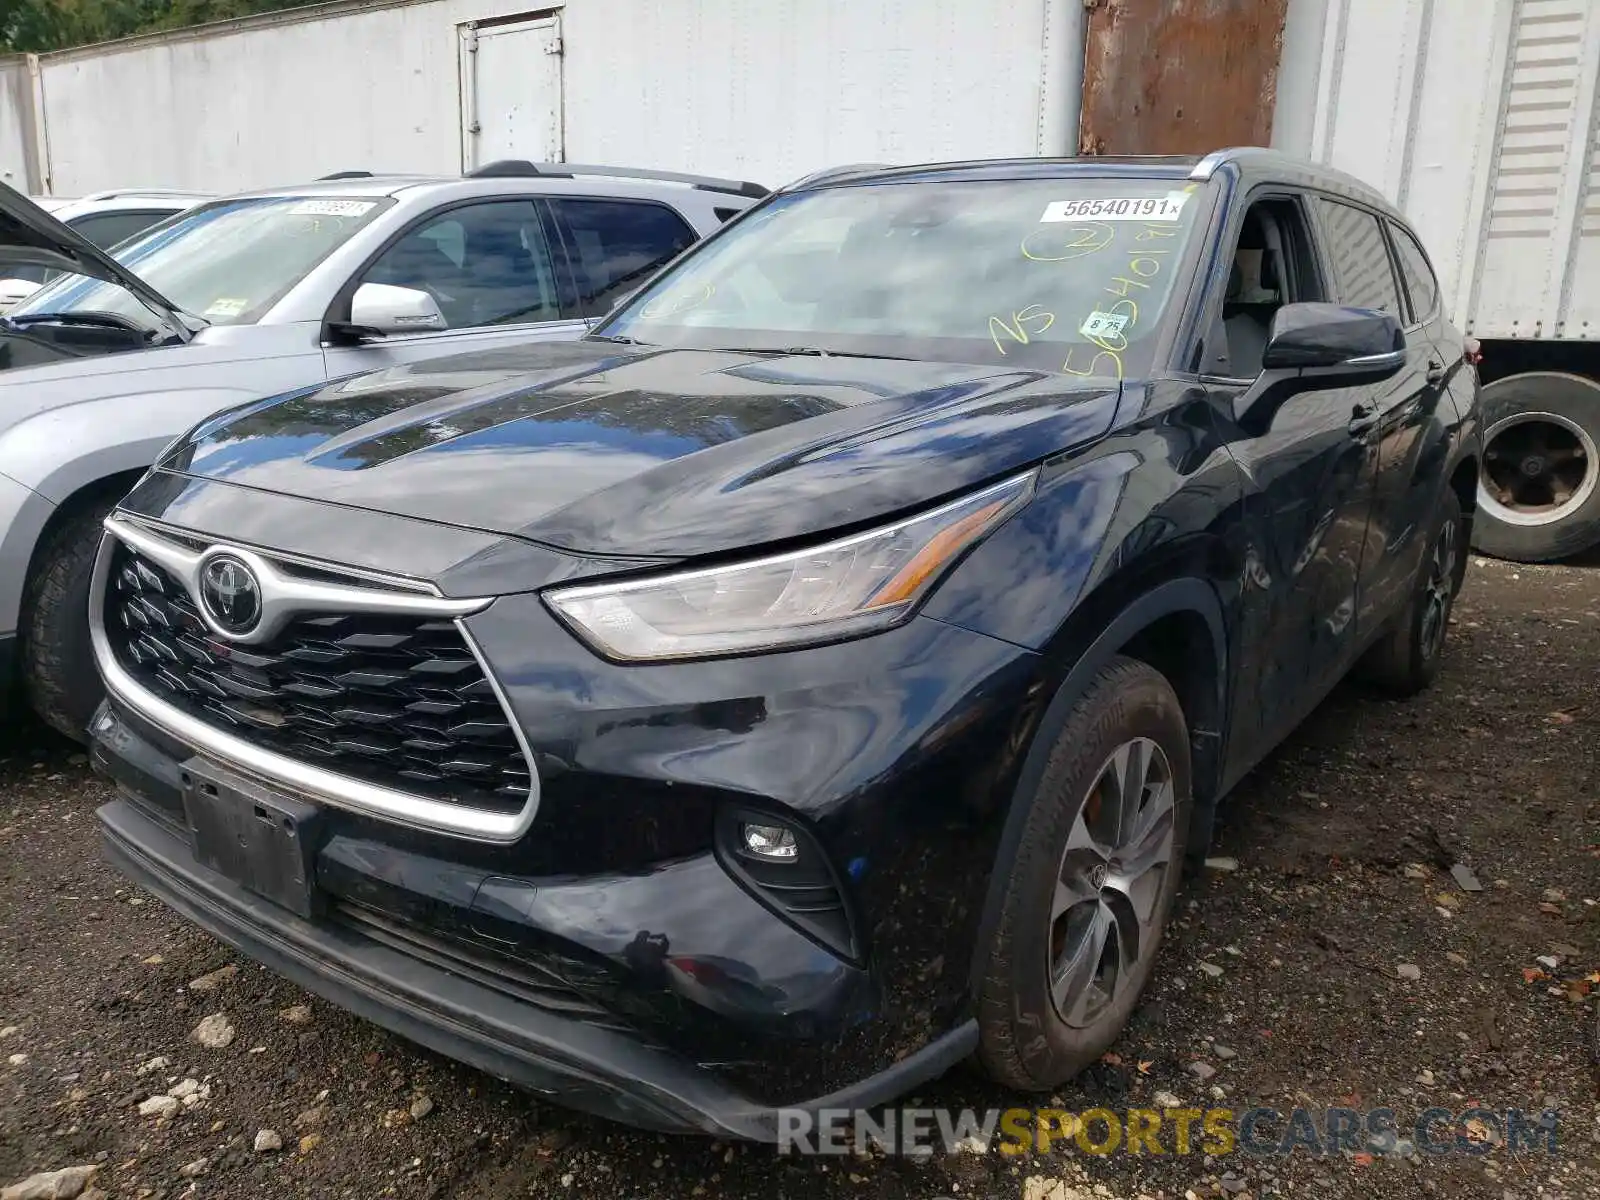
(1478, 120)
(1179, 76)
(1548, 105)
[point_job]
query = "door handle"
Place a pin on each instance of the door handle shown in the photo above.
(1435, 372)
(1362, 418)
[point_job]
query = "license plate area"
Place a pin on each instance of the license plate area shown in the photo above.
(263, 840)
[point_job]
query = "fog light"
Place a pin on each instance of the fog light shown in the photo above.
(770, 842)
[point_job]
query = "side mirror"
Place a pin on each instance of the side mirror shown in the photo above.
(15, 291)
(385, 308)
(1312, 346)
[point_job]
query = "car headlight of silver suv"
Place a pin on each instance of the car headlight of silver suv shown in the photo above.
(844, 588)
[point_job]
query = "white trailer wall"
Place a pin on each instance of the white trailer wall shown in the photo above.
(262, 101)
(772, 89)
(1478, 118)
(762, 89)
(15, 127)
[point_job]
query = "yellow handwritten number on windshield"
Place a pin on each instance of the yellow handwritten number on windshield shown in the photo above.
(1094, 367)
(1065, 244)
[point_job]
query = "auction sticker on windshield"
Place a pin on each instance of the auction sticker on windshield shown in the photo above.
(1118, 208)
(226, 306)
(333, 208)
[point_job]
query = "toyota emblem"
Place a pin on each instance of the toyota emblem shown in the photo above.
(230, 595)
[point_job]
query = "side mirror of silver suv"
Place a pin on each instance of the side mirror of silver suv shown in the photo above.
(385, 308)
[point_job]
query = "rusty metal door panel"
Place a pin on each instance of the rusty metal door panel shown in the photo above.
(1179, 76)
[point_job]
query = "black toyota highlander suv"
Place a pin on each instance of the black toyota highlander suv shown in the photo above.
(818, 674)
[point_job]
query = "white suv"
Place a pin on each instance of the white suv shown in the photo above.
(104, 218)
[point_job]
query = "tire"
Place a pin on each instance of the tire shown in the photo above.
(1025, 1039)
(58, 671)
(1539, 486)
(1407, 659)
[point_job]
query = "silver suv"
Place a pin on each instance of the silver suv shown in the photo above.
(107, 219)
(260, 294)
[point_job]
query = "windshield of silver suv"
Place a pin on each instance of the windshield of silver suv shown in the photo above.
(1066, 274)
(227, 262)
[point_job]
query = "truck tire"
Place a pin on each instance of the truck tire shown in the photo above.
(58, 670)
(1539, 484)
(1089, 892)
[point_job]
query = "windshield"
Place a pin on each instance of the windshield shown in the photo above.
(227, 262)
(1066, 274)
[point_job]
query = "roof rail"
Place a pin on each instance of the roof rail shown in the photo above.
(509, 168)
(1207, 166)
(832, 172)
(346, 175)
(113, 193)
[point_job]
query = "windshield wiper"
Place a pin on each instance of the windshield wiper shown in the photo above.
(816, 352)
(98, 320)
(618, 338)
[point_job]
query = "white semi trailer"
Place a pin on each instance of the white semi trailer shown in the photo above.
(1481, 119)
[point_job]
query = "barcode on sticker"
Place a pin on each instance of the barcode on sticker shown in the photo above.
(1121, 208)
(332, 208)
(1103, 324)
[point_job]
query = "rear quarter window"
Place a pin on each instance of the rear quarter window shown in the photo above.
(1361, 263)
(1421, 283)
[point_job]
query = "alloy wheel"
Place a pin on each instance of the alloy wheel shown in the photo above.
(1439, 590)
(1103, 918)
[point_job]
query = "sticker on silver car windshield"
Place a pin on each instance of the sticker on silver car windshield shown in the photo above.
(333, 208)
(1120, 208)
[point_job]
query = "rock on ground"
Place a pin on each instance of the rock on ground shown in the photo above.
(52, 1185)
(215, 1032)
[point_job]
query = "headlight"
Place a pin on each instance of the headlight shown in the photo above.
(856, 585)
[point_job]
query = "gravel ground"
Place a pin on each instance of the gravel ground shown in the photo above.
(1337, 964)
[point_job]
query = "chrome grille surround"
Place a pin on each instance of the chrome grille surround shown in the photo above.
(294, 587)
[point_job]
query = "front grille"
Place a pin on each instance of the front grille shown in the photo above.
(521, 978)
(398, 701)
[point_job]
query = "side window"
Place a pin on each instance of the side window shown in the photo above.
(617, 245)
(107, 229)
(1360, 258)
(486, 264)
(1421, 283)
(1272, 265)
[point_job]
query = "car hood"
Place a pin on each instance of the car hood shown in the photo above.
(643, 452)
(29, 236)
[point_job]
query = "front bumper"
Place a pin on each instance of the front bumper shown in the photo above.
(594, 1070)
(622, 919)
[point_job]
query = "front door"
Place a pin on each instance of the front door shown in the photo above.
(511, 91)
(1308, 490)
(495, 268)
